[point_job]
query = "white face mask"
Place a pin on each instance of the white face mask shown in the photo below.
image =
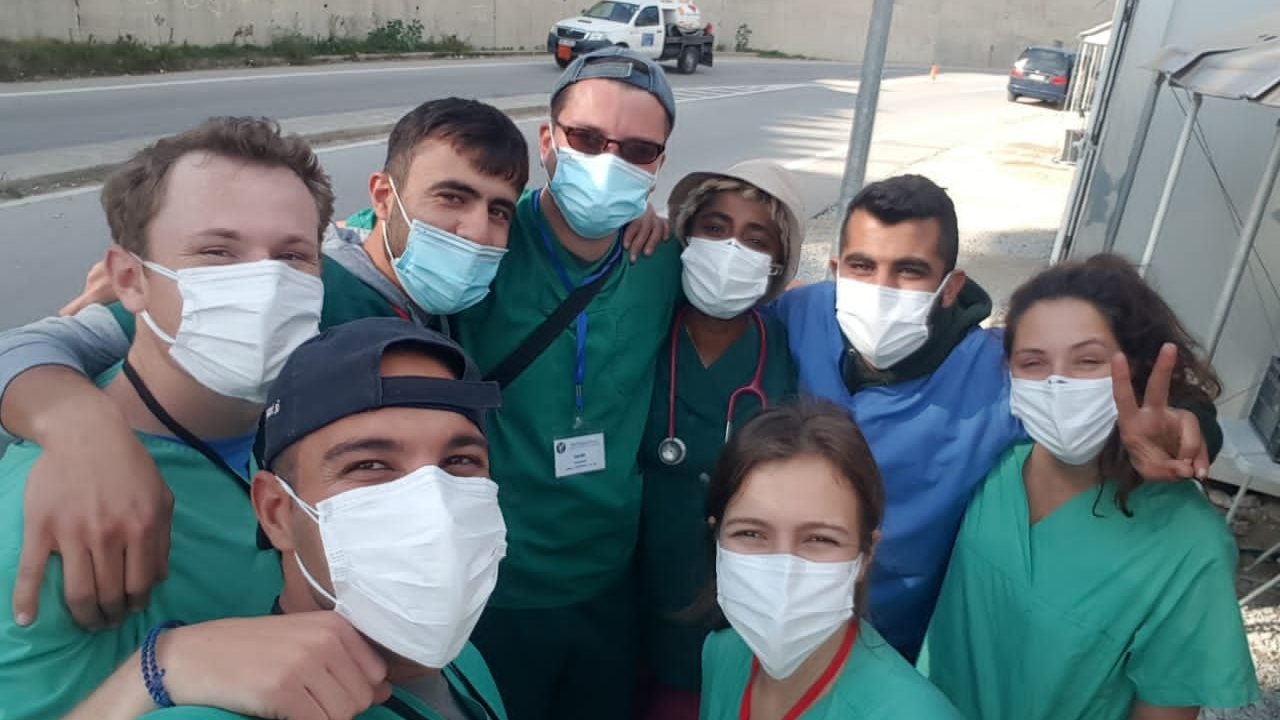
(784, 606)
(884, 324)
(240, 323)
(724, 278)
(1071, 417)
(412, 561)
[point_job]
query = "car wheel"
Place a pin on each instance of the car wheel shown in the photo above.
(562, 63)
(688, 62)
(1011, 95)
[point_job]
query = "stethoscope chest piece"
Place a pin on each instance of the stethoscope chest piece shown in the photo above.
(672, 451)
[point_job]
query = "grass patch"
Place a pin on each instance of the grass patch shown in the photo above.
(48, 58)
(779, 55)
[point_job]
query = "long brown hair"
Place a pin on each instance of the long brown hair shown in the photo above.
(805, 427)
(1142, 323)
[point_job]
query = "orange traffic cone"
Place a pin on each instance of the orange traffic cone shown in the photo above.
(933, 72)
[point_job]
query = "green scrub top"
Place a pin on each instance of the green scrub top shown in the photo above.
(875, 684)
(674, 543)
(569, 538)
(468, 679)
(215, 570)
(1088, 611)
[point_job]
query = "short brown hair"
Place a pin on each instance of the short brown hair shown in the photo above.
(483, 134)
(132, 194)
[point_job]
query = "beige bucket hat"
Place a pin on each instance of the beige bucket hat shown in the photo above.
(775, 181)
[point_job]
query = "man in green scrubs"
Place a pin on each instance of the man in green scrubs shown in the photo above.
(357, 413)
(459, 165)
(171, 209)
(560, 631)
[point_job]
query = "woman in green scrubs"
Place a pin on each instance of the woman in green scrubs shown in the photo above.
(724, 361)
(1075, 590)
(795, 504)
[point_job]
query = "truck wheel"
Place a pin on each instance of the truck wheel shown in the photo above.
(688, 62)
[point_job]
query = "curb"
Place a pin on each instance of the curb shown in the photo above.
(79, 177)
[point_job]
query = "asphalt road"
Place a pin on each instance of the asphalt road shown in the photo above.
(41, 116)
(797, 113)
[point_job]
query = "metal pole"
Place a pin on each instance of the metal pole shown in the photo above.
(1248, 234)
(1135, 158)
(1166, 197)
(864, 112)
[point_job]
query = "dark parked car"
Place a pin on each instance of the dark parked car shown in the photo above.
(1041, 73)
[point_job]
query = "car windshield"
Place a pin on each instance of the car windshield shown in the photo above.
(615, 11)
(1045, 61)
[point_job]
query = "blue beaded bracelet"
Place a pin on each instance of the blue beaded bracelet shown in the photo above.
(152, 674)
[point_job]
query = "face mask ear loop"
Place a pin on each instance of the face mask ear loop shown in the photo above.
(311, 513)
(386, 242)
(146, 316)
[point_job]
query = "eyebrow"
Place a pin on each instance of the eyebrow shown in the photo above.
(235, 236)
(360, 445)
(575, 126)
(825, 526)
(816, 525)
(913, 263)
(1077, 346)
(460, 187)
(467, 440)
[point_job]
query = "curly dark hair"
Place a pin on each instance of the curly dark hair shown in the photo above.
(1142, 323)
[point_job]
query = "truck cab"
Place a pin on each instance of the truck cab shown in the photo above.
(659, 30)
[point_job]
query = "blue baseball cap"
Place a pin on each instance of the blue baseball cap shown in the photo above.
(624, 65)
(339, 373)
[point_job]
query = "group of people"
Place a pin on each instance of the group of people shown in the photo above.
(483, 452)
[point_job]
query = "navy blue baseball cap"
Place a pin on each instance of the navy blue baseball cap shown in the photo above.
(623, 65)
(339, 373)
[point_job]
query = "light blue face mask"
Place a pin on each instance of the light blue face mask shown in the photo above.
(443, 273)
(598, 194)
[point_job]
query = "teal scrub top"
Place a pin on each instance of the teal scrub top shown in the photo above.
(468, 677)
(875, 684)
(1088, 611)
(569, 538)
(216, 570)
(674, 543)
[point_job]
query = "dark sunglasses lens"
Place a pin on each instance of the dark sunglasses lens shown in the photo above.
(592, 143)
(639, 152)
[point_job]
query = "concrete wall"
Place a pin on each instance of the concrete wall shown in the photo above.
(978, 33)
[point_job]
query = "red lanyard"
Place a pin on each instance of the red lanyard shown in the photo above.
(815, 690)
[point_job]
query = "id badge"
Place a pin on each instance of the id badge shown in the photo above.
(578, 454)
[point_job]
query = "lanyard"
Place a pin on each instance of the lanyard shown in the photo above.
(178, 430)
(815, 690)
(580, 356)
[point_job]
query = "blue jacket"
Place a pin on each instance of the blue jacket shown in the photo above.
(934, 438)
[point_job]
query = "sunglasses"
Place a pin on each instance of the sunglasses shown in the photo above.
(636, 152)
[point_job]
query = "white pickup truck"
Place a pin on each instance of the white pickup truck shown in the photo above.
(660, 30)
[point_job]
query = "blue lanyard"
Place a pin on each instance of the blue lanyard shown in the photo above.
(580, 361)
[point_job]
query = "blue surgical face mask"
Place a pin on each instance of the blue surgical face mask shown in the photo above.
(443, 273)
(598, 194)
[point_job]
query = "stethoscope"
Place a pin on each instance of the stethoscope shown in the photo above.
(672, 449)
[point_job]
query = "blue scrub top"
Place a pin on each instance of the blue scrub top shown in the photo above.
(934, 438)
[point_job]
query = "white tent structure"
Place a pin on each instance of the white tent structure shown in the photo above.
(1178, 171)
